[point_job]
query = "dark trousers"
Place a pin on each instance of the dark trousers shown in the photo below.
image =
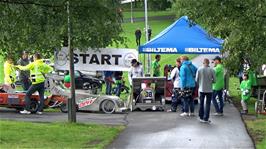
(188, 101)
(138, 41)
(33, 88)
(204, 112)
(108, 90)
(188, 104)
(218, 108)
(118, 89)
(175, 100)
(25, 84)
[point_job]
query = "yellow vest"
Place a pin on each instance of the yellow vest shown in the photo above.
(10, 73)
(37, 71)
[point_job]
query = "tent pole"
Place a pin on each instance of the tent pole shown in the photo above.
(146, 32)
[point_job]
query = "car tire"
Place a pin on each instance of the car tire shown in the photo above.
(63, 108)
(108, 106)
(34, 105)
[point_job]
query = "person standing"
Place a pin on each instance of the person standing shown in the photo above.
(136, 70)
(205, 77)
(138, 36)
(175, 78)
(156, 66)
(149, 33)
(108, 78)
(37, 69)
(24, 76)
(245, 87)
(118, 75)
(218, 86)
(9, 73)
(187, 85)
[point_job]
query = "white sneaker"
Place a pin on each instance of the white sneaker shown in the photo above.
(201, 120)
(24, 112)
(184, 114)
(191, 114)
(218, 114)
(39, 113)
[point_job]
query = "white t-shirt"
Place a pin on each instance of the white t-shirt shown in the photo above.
(264, 69)
(135, 72)
(175, 77)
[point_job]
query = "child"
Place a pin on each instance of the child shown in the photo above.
(245, 87)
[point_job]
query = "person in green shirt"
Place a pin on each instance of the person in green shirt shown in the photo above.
(156, 66)
(218, 86)
(245, 87)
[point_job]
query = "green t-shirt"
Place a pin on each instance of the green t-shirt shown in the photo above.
(156, 68)
(219, 74)
(245, 87)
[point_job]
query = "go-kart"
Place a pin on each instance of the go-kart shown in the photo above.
(85, 101)
(148, 93)
(15, 99)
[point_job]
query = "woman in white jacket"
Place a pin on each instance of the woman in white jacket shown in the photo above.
(136, 70)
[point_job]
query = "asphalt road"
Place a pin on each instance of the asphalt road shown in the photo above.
(83, 117)
(169, 130)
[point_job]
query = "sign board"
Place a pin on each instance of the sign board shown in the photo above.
(103, 59)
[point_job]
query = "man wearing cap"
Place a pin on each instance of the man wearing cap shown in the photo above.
(24, 75)
(218, 86)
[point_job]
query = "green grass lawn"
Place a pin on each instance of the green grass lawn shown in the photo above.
(14, 134)
(137, 14)
(257, 126)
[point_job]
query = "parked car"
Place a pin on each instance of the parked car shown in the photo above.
(83, 81)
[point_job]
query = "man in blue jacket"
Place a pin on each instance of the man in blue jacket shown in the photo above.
(187, 85)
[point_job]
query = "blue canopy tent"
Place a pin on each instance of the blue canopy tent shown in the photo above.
(183, 37)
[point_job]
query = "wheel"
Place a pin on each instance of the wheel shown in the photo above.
(108, 106)
(63, 108)
(34, 105)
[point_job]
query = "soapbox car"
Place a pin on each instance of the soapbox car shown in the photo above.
(15, 99)
(148, 93)
(85, 100)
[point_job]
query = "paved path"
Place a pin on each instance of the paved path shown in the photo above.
(169, 130)
(84, 117)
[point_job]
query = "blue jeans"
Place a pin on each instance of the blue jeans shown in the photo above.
(204, 113)
(218, 108)
(118, 89)
(108, 90)
(33, 88)
(175, 100)
(25, 84)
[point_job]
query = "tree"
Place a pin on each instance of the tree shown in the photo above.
(241, 23)
(160, 4)
(41, 25)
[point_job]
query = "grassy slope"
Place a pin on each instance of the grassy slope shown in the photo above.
(1, 70)
(257, 127)
(16, 134)
(137, 14)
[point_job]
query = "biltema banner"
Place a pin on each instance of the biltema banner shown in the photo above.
(102, 59)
